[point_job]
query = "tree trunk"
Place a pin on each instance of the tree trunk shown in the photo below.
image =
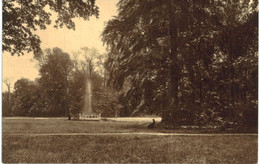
(66, 105)
(245, 87)
(8, 100)
(200, 91)
(173, 65)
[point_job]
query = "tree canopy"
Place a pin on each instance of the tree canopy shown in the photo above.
(191, 62)
(182, 59)
(22, 17)
(61, 88)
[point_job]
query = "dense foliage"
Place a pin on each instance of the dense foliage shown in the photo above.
(60, 90)
(22, 17)
(192, 62)
(7, 103)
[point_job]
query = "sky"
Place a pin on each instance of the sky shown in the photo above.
(86, 34)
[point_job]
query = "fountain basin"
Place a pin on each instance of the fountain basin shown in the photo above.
(89, 117)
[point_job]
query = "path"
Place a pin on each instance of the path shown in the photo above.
(119, 119)
(134, 133)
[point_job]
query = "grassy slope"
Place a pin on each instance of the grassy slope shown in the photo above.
(175, 149)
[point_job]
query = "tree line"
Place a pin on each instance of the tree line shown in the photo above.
(61, 87)
(192, 62)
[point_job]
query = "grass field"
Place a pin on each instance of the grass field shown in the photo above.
(116, 148)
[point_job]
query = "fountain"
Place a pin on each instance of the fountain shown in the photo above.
(86, 112)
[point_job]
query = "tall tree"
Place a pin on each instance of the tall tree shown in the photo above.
(55, 66)
(89, 65)
(180, 49)
(7, 104)
(22, 97)
(8, 82)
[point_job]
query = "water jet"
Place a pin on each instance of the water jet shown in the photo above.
(86, 112)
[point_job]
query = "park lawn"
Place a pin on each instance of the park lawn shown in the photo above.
(62, 125)
(129, 148)
(18, 146)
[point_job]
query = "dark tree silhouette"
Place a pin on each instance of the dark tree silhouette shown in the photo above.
(191, 54)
